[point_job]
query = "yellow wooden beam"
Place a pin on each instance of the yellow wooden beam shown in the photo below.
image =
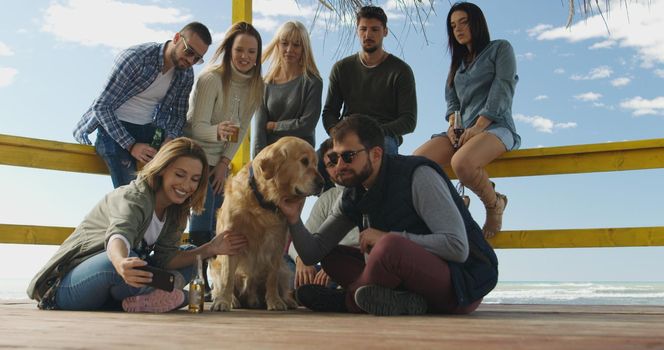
(570, 238)
(601, 157)
(53, 155)
(45, 235)
(581, 238)
(616, 156)
(42, 235)
(242, 11)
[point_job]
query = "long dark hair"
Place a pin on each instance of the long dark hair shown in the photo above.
(479, 31)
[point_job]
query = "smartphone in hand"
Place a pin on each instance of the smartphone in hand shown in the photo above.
(161, 279)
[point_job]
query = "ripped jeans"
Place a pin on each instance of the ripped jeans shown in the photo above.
(121, 164)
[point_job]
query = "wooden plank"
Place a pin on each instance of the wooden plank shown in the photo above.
(570, 238)
(490, 327)
(53, 155)
(617, 156)
(41, 235)
(242, 11)
(581, 238)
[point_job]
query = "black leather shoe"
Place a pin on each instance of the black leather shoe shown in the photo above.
(320, 298)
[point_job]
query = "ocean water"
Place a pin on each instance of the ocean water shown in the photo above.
(571, 293)
(578, 293)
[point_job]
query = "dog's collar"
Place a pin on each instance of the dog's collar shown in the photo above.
(259, 196)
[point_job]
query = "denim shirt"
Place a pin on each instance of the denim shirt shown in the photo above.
(133, 72)
(485, 88)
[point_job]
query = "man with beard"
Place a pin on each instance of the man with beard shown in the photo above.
(144, 101)
(423, 252)
(374, 83)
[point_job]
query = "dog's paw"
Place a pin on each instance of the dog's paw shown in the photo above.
(236, 303)
(290, 302)
(220, 305)
(276, 305)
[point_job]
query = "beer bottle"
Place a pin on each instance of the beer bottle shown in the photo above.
(197, 289)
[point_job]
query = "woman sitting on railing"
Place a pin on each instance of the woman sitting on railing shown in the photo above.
(480, 87)
(136, 225)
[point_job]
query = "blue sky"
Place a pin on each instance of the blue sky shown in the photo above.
(577, 86)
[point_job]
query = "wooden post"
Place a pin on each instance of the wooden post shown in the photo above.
(242, 12)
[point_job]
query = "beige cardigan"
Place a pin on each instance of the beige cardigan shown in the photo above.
(207, 110)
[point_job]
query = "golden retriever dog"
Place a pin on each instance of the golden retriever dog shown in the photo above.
(258, 278)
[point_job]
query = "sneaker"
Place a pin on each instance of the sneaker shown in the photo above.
(381, 301)
(320, 298)
(155, 301)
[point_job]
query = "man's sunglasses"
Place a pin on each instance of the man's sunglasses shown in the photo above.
(347, 156)
(198, 59)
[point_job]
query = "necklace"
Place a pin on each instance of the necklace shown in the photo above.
(382, 58)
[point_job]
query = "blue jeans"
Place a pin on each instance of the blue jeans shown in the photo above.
(95, 284)
(391, 145)
(207, 220)
(121, 164)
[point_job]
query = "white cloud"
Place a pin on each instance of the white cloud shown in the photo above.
(538, 29)
(5, 50)
(595, 73)
(529, 56)
(559, 71)
(271, 8)
(7, 75)
(568, 125)
(269, 15)
(642, 106)
(603, 45)
(542, 124)
(266, 24)
(95, 22)
(541, 97)
(588, 96)
(659, 72)
(636, 25)
(620, 81)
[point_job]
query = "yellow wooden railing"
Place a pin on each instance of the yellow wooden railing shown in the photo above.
(618, 156)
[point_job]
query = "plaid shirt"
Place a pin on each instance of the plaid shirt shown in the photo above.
(135, 69)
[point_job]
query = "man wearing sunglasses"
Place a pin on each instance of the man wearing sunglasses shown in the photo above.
(374, 83)
(424, 252)
(144, 101)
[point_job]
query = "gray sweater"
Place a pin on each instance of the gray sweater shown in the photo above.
(433, 203)
(321, 210)
(294, 106)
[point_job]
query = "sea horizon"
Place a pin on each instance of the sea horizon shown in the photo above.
(506, 292)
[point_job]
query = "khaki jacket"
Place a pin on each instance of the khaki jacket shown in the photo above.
(127, 211)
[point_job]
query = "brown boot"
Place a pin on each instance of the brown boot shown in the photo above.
(493, 201)
(494, 216)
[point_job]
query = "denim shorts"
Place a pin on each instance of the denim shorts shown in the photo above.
(502, 133)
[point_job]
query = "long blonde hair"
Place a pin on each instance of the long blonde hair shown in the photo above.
(179, 147)
(225, 52)
(292, 31)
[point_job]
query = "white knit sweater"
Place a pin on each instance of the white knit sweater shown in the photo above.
(207, 110)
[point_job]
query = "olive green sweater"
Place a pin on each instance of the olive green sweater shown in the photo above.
(385, 92)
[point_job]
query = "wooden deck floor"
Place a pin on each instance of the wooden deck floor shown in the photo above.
(490, 327)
